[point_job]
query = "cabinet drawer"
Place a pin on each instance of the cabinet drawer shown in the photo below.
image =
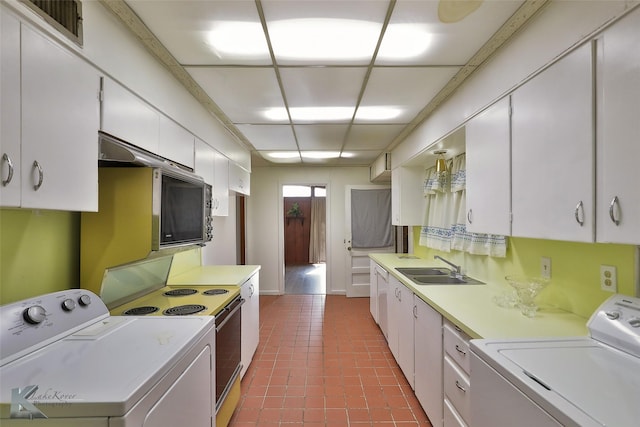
(456, 345)
(456, 388)
(451, 417)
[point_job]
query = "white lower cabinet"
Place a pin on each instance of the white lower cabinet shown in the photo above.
(401, 326)
(451, 417)
(373, 291)
(428, 360)
(382, 283)
(250, 292)
(456, 374)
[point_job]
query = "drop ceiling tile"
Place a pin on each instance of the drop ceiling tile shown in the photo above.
(244, 94)
(407, 88)
(368, 12)
(183, 27)
(269, 137)
(448, 43)
(322, 86)
(371, 136)
(321, 137)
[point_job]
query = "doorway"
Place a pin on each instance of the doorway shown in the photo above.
(305, 239)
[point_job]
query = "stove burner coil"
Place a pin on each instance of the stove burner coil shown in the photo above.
(215, 292)
(184, 310)
(180, 292)
(141, 311)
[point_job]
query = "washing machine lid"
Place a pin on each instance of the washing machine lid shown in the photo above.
(101, 370)
(587, 376)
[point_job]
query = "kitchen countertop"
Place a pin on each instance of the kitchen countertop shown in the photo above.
(215, 275)
(471, 307)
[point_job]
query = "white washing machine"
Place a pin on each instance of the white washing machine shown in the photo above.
(583, 381)
(64, 361)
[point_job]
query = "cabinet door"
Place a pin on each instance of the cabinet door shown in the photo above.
(407, 196)
(488, 155)
(405, 333)
(239, 179)
(373, 290)
(129, 118)
(618, 144)
(221, 186)
(9, 109)
(250, 291)
(60, 121)
(553, 152)
(205, 158)
(393, 316)
(428, 356)
(175, 143)
(384, 293)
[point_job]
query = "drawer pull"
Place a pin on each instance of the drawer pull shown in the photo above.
(461, 351)
(464, 390)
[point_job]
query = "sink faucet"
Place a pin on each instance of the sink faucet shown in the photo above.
(458, 268)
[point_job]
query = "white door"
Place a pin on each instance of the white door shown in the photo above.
(373, 209)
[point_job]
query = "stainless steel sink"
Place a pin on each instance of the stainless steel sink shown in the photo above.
(424, 271)
(436, 276)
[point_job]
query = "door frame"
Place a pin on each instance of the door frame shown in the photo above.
(281, 267)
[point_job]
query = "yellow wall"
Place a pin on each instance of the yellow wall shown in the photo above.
(575, 269)
(39, 252)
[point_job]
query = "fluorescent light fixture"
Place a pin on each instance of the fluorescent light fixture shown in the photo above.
(379, 112)
(284, 154)
(237, 38)
(320, 154)
(346, 155)
(404, 41)
(323, 38)
(310, 113)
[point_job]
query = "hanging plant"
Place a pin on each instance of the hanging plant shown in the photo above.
(294, 210)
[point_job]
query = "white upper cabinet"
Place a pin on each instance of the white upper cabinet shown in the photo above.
(9, 110)
(239, 179)
(407, 195)
(205, 158)
(618, 139)
(129, 118)
(488, 159)
(221, 186)
(60, 120)
(176, 143)
(553, 152)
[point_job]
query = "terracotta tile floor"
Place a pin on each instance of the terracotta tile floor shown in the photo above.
(322, 361)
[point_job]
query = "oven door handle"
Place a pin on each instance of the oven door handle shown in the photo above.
(227, 313)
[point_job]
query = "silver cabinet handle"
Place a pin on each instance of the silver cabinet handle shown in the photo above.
(614, 203)
(7, 159)
(36, 165)
(461, 351)
(579, 210)
(415, 311)
(470, 216)
(464, 390)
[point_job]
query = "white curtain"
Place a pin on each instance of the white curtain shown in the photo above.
(317, 240)
(444, 226)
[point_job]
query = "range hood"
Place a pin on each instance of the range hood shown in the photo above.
(115, 152)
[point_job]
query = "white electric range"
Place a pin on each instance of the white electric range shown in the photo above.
(582, 381)
(65, 361)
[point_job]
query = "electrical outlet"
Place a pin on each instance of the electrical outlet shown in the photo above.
(545, 267)
(608, 279)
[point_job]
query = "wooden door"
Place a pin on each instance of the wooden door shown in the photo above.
(297, 231)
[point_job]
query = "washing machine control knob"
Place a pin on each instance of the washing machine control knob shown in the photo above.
(84, 300)
(613, 315)
(68, 304)
(34, 314)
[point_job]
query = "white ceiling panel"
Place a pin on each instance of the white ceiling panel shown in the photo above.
(321, 137)
(451, 43)
(358, 158)
(322, 86)
(372, 136)
(269, 137)
(185, 28)
(408, 88)
(244, 94)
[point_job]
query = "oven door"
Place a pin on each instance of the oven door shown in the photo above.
(228, 348)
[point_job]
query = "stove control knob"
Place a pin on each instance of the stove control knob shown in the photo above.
(34, 315)
(84, 300)
(613, 315)
(68, 304)
(635, 322)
